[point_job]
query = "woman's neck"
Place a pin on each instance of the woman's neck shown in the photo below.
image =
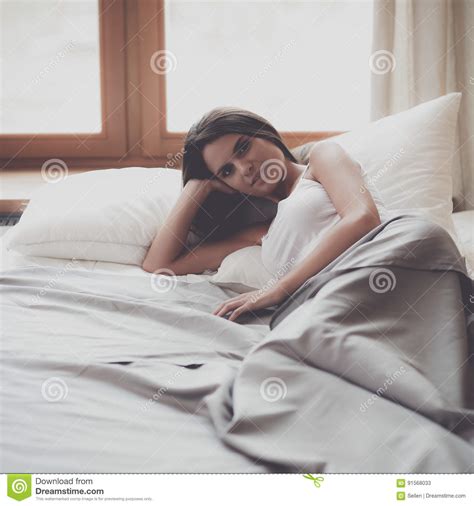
(285, 187)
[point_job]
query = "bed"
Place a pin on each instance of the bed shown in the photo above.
(368, 367)
(103, 372)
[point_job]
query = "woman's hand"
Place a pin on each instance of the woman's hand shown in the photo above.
(251, 301)
(216, 184)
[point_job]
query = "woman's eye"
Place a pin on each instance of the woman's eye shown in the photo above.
(225, 173)
(244, 147)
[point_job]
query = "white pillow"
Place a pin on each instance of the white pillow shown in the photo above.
(108, 215)
(243, 271)
(408, 159)
(464, 225)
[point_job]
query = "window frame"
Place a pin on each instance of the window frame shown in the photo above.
(133, 101)
(111, 141)
(170, 143)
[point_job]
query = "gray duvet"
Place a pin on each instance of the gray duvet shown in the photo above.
(368, 367)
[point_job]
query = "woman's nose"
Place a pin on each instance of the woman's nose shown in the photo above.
(245, 169)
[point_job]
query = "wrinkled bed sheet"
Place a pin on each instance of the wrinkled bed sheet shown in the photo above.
(107, 372)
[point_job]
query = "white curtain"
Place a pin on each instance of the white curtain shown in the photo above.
(425, 50)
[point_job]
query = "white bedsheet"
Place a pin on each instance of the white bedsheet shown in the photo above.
(100, 373)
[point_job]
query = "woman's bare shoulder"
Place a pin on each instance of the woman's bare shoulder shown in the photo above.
(325, 155)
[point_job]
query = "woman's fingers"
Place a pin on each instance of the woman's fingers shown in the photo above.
(229, 307)
(238, 312)
(238, 297)
(226, 306)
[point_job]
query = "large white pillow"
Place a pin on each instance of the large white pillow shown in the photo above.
(109, 215)
(408, 159)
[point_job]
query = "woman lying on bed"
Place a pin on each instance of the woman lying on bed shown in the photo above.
(323, 208)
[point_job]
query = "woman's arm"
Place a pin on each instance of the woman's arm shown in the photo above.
(171, 237)
(341, 177)
(167, 250)
(211, 254)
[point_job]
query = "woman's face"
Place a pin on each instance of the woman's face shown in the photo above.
(250, 165)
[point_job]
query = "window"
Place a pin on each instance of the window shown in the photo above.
(62, 80)
(110, 83)
(52, 59)
(302, 64)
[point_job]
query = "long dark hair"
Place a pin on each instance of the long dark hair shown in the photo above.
(223, 214)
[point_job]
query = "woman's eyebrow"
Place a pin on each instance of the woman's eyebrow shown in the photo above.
(234, 150)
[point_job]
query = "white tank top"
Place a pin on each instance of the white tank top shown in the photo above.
(300, 220)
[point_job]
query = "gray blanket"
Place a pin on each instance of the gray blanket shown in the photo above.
(367, 368)
(369, 365)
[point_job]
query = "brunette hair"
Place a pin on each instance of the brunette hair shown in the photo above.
(223, 214)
